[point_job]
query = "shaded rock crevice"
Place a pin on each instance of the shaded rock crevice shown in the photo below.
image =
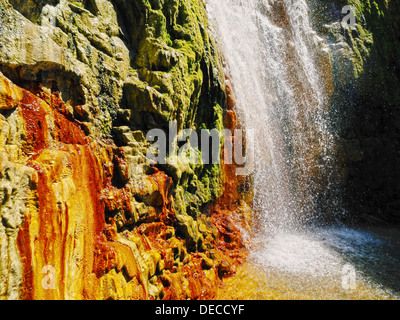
(364, 105)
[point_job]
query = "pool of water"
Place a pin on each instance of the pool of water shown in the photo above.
(320, 263)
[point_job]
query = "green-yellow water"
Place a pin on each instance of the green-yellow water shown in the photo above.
(314, 266)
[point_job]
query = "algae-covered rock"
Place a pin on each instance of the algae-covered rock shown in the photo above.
(84, 82)
(67, 48)
(175, 75)
(121, 68)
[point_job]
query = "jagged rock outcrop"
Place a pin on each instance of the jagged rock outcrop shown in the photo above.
(84, 214)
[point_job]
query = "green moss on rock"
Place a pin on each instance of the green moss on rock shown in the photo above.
(175, 75)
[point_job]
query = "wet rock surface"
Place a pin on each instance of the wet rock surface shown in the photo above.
(364, 104)
(81, 84)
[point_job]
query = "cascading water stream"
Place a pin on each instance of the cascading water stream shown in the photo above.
(281, 76)
(271, 52)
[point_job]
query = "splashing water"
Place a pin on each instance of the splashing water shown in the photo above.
(271, 52)
(281, 76)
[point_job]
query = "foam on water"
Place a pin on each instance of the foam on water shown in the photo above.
(279, 68)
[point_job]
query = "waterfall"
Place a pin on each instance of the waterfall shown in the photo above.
(279, 69)
(281, 76)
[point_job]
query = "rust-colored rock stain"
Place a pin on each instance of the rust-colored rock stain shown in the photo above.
(69, 224)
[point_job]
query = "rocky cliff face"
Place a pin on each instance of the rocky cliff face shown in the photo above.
(365, 103)
(84, 214)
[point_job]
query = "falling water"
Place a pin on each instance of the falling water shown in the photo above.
(280, 72)
(272, 54)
